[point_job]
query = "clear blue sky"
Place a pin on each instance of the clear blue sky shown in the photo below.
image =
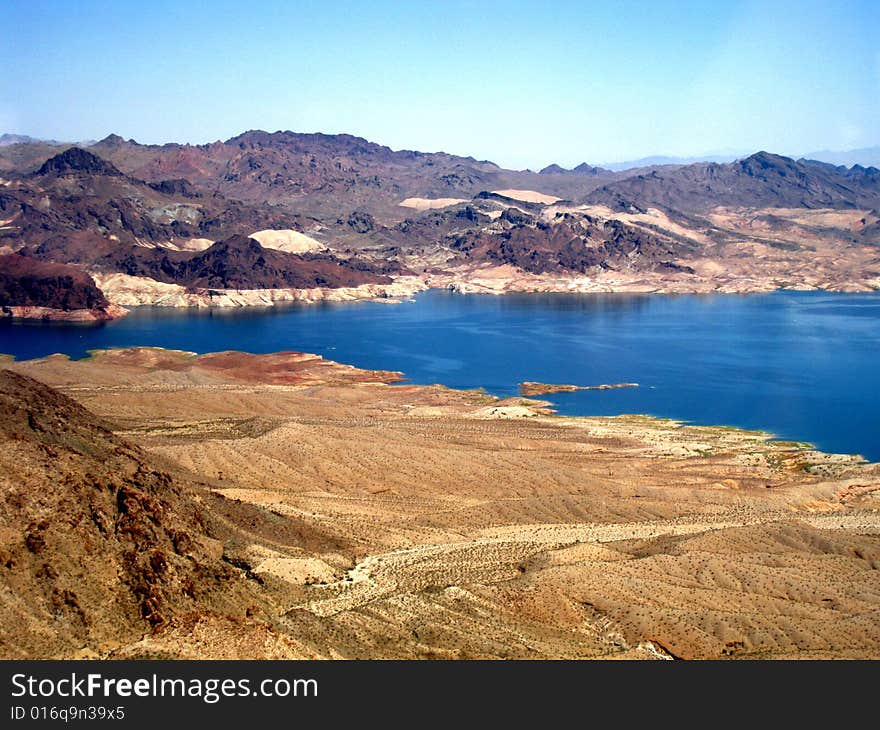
(521, 83)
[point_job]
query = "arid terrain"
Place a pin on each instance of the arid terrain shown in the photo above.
(269, 217)
(160, 504)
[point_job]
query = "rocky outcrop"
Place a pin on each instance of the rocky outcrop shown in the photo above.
(34, 289)
(77, 160)
(574, 245)
(178, 186)
(50, 314)
(132, 291)
(361, 222)
(98, 544)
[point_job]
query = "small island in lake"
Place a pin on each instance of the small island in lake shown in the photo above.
(530, 388)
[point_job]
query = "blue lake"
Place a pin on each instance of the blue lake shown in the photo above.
(802, 365)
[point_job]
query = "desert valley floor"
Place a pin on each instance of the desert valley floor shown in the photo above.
(282, 506)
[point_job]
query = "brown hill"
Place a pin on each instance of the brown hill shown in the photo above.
(77, 208)
(28, 282)
(77, 191)
(242, 263)
(238, 262)
(76, 160)
(97, 545)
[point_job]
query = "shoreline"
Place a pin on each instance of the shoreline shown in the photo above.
(71, 316)
(130, 291)
(524, 405)
(124, 292)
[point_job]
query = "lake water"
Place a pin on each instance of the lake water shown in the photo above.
(802, 365)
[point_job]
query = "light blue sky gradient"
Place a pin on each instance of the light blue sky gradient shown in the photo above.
(521, 83)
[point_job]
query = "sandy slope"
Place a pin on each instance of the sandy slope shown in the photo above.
(430, 203)
(528, 196)
(403, 521)
(287, 240)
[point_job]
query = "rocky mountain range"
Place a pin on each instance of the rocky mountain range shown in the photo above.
(761, 180)
(285, 211)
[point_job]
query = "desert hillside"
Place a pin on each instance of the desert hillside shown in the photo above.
(285, 506)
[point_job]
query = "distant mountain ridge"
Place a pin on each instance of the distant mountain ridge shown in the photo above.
(7, 139)
(343, 177)
(760, 180)
(326, 175)
(866, 157)
(10, 139)
(657, 160)
(582, 169)
(287, 210)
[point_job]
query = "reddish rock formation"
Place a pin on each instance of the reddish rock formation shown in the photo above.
(34, 289)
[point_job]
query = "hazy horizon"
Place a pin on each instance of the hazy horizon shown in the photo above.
(517, 83)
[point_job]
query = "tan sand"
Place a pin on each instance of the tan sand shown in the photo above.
(430, 203)
(287, 240)
(528, 196)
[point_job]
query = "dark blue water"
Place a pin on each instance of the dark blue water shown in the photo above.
(802, 365)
